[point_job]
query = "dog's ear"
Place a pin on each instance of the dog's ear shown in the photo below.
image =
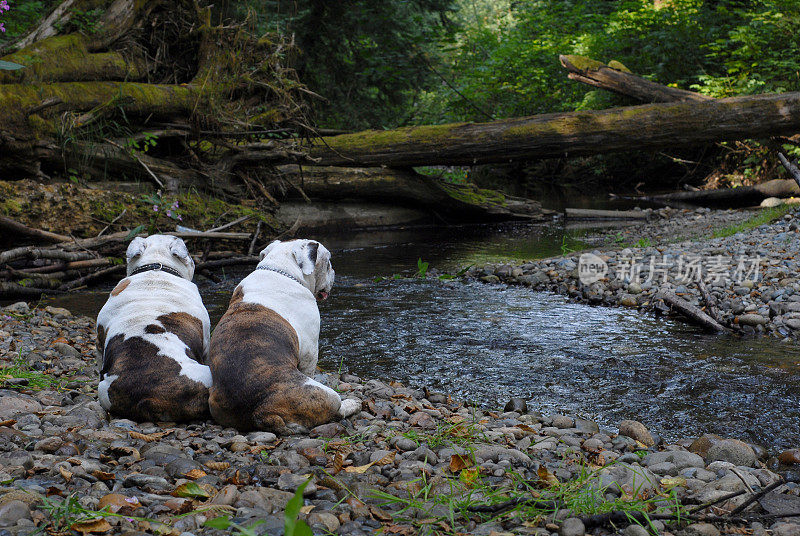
(179, 249)
(305, 253)
(135, 248)
(266, 250)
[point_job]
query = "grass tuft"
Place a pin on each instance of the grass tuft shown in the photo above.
(764, 216)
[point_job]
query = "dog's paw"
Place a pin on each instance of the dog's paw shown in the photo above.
(349, 407)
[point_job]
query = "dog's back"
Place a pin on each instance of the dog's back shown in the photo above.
(254, 354)
(152, 334)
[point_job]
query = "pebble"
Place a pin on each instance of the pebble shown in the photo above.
(572, 526)
(13, 511)
(637, 431)
(733, 451)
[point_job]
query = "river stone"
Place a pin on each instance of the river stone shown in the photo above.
(66, 350)
(516, 404)
(290, 482)
(680, 458)
(638, 431)
(733, 451)
(226, 496)
(563, 422)
(49, 444)
(12, 511)
(752, 319)
(146, 482)
(262, 438)
(770, 202)
(635, 530)
(326, 519)
(17, 458)
(586, 427)
(629, 478)
(785, 529)
(19, 308)
(572, 526)
(278, 499)
(790, 457)
(700, 529)
(12, 404)
(701, 445)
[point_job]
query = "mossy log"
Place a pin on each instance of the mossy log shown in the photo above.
(650, 126)
(618, 78)
(400, 187)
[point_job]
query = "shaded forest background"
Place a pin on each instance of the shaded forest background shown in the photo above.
(395, 62)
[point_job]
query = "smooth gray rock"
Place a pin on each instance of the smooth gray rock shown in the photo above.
(733, 451)
(12, 512)
(680, 458)
(572, 526)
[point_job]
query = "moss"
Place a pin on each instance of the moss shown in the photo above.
(65, 57)
(764, 216)
(582, 63)
(619, 66)
(372, 139)
(473, 195)
(71, 209)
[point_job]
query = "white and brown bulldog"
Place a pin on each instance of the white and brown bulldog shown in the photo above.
(153, 335)
(265, 347)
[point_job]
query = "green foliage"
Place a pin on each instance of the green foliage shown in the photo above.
(22, 17)
(292, 525)
(422, 269)
(505, 57)
(367, 59)
(225, 523)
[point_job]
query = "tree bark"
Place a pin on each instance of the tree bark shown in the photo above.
(647, 126)
(619, 79)
(406, 188)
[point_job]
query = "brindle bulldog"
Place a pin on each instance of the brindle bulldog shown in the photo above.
(265, 347)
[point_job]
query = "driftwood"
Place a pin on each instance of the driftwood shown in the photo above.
(9, 225)
(690, 311)
(30, 271)
(592, 214)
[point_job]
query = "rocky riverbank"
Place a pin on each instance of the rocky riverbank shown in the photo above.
(412, 462)
(751, 274)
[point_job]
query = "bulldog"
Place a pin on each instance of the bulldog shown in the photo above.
(265, 347)
(153, 335)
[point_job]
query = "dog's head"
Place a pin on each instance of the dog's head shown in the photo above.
(168, 250)
(310, 257)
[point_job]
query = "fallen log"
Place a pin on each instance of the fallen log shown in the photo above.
(691, 312)
(619, 79)
(742, 196)
(593, 214)
(646, 126)
(402, 187)
(14, 226)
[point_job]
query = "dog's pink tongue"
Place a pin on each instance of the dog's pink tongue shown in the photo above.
(322, 294)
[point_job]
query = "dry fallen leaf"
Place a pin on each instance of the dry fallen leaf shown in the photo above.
(546, 476)
(381, 515)
(66, 474)
(218, 466)
(194, 474)
(9, 422)
(386, 460)
(459, 462)
(192, 490)
(93, 525)
(102, 475)
(148, 438)
(116, 502)
(307, 509)
(469, 476)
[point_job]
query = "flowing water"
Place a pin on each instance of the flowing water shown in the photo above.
(487, 343)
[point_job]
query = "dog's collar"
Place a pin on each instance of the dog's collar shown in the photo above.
(279, 271)
(157, 266)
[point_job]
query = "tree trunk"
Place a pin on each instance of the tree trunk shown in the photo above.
(399, 187)
(617, 78)
(566, 134)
